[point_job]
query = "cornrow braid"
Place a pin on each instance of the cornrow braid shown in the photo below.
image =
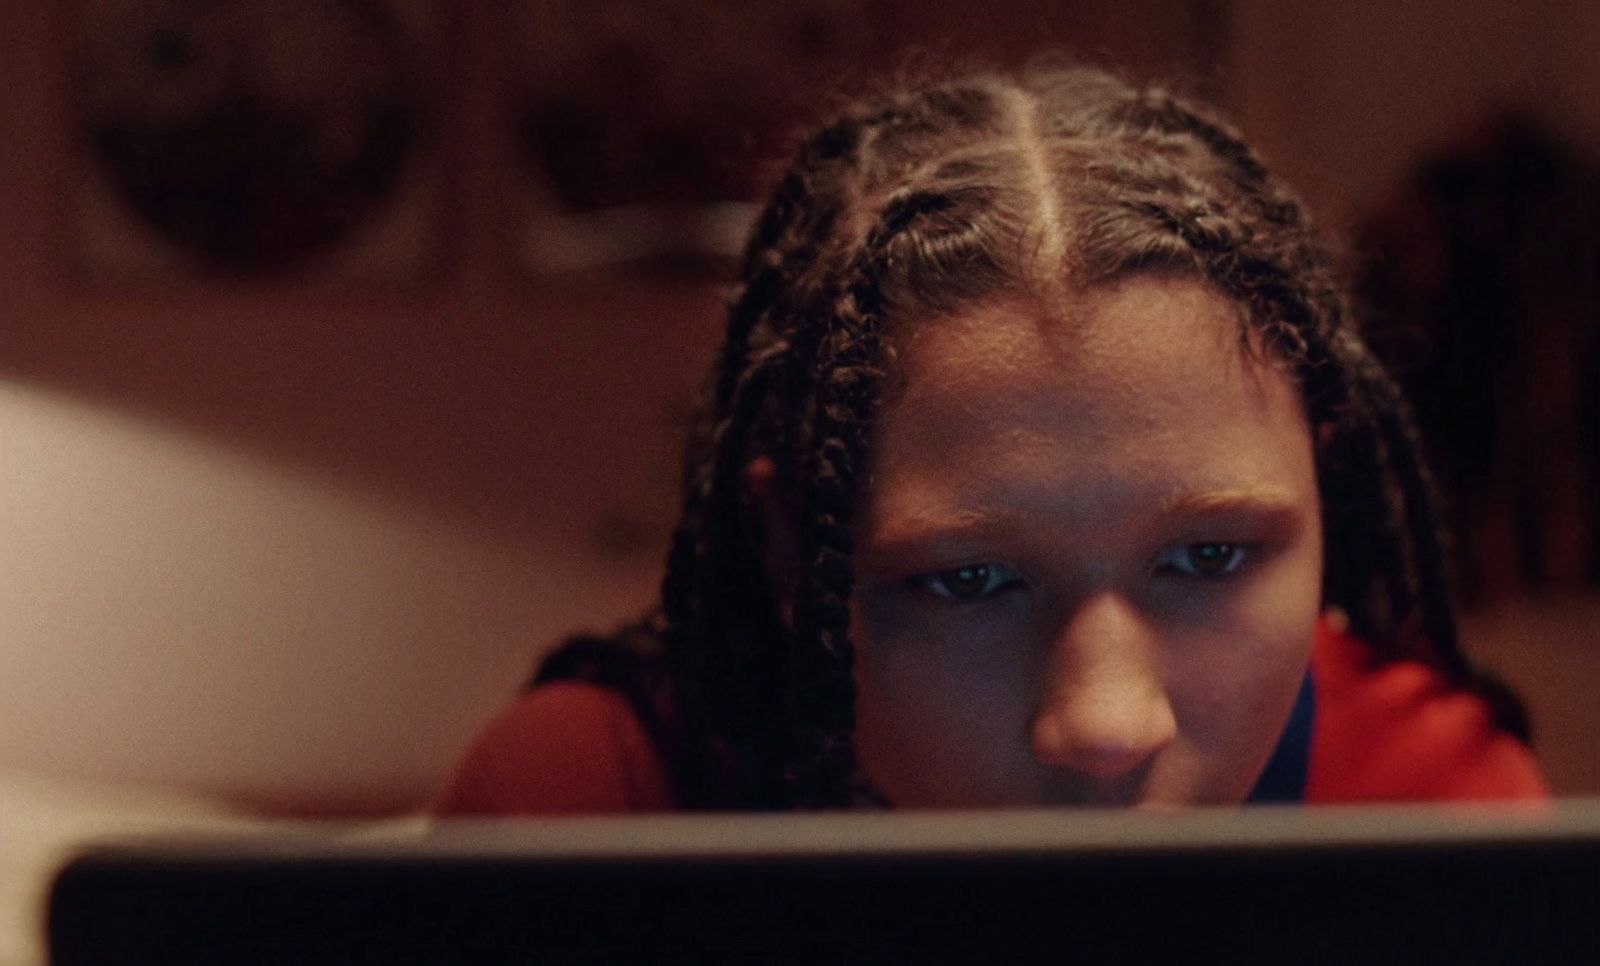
(1428, 587)
(1378, 481)
(821, 662)
(706, 579)
(1331, 369)
(848, 374)
(729, 670)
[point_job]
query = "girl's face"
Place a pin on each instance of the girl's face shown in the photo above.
(1089, 559)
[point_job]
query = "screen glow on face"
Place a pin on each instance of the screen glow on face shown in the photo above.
(1089, 557)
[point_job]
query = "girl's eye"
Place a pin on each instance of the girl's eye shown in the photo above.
(1206, 559)
(970, 583)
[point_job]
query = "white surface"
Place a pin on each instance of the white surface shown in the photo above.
(175, 613)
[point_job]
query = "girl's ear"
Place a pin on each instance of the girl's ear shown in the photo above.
(782, 545)
(1325, 433)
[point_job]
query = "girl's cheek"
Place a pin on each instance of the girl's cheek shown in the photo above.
(1232, 690)
(939, 663)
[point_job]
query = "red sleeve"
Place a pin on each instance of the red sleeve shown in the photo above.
(564, 748)
(1398, 731)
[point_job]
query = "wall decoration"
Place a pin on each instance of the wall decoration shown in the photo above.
(638, 122)
(246, 138)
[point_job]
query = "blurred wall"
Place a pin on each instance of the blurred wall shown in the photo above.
(1343, 97)
(182, 612)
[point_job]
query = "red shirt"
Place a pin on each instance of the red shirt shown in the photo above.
(1384, 732)
(1397, 731)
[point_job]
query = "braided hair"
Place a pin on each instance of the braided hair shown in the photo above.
(918, 203)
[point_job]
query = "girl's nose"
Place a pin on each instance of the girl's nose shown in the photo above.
(1104, 711)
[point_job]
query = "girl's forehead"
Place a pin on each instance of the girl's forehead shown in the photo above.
(1147, 386)
(1144, 337)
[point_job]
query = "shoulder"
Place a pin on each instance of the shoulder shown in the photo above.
(566, 747)
(1400, 731)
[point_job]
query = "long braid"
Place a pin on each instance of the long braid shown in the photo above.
(730, 663)
(1431, 591)
(822, 680)
(695, 598)
(1386, 486)
(1358, 467)
(831, 347)
(848, 373)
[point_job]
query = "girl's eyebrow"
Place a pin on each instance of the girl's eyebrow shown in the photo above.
(921, 530)
(1265, 500)
(1270, 502)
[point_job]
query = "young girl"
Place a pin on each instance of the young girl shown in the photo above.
(1042, 464)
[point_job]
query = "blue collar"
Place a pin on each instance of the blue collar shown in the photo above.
(1285, 777)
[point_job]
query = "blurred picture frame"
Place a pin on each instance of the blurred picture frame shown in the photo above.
(640, 129)
(247, 141)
